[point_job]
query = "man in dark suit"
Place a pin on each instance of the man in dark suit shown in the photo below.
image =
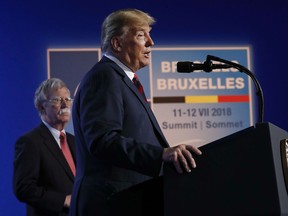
(119, 142)
(42, 177)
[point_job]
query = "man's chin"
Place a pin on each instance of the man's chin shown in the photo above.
(145, 63)
(64, 118)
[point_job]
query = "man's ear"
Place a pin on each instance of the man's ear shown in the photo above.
(42, 109)
(116, 44)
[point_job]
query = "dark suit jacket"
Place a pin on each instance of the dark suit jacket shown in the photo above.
(118, 140)
(42, 177)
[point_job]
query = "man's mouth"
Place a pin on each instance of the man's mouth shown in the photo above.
(147, 54)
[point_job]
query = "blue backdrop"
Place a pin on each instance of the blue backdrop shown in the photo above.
(28, 28)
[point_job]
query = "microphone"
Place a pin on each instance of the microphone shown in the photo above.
(207, 66)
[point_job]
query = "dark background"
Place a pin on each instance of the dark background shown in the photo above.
(29, 28)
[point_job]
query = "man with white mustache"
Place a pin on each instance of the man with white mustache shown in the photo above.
(43, 178)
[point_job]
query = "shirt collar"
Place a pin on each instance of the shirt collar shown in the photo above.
(55, 133)
(127, 70)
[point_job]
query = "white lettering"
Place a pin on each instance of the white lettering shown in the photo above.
(200, 83)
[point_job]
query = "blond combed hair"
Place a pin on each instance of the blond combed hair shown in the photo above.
(116, 22)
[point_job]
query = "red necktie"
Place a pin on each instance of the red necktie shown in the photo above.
(139, 86)
(66, 152)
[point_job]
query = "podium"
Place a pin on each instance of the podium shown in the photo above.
(240, 174)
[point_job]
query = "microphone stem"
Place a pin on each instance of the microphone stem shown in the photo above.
(259, 91)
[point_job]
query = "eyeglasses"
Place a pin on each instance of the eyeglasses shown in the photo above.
(58, 100)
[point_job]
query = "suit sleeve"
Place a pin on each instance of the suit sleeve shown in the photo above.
(27, 173)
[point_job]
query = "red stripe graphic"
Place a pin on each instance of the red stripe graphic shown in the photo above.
(233, 98)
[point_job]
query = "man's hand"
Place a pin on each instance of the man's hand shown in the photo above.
(181, 157)
(67, 201)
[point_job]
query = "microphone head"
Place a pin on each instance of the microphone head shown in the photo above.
(184, 67)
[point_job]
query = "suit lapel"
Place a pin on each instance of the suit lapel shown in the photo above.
(54, 149)
(132, 87)
(147, 107)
